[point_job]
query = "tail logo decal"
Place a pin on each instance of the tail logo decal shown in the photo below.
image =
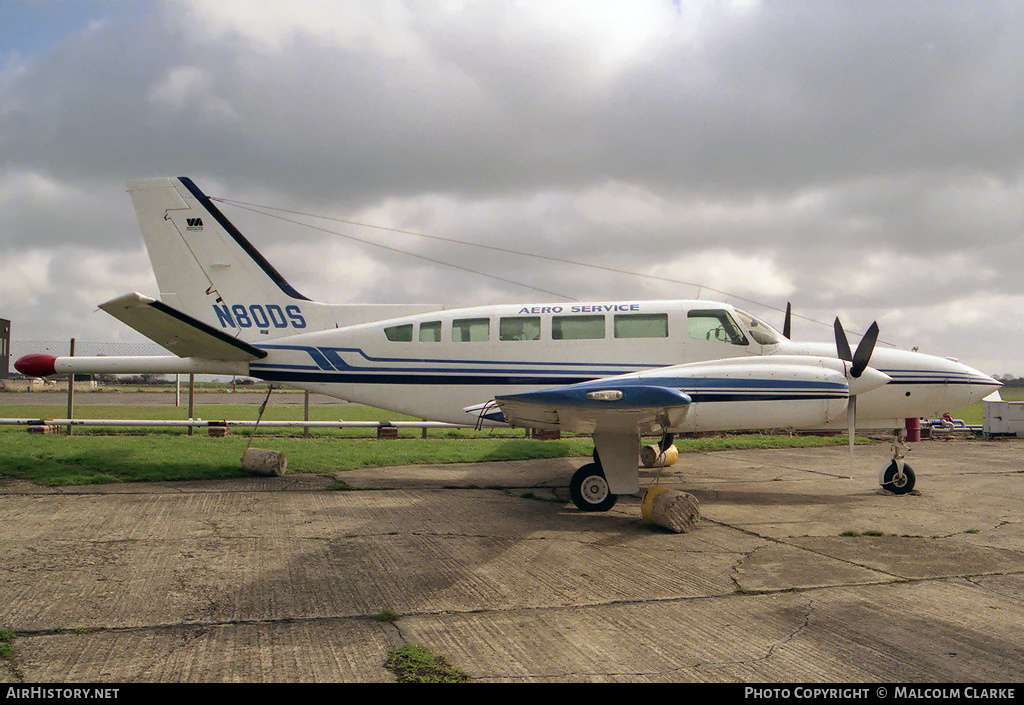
(193, 223)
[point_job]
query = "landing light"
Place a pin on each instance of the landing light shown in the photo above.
(605, 395)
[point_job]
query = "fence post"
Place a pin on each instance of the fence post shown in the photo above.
(191, 400)
(71, 392)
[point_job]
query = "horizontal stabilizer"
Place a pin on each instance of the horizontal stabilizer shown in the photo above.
(178, 332)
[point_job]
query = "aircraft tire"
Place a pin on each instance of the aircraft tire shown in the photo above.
(589, 489)
(893, 483)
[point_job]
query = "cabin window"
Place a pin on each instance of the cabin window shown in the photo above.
(577, 327)
(519, 328)
(716, 325)
(641, 325)
(430, 332)
(471, 330)
(399, 334)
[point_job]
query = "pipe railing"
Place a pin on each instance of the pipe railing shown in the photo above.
(221, 423)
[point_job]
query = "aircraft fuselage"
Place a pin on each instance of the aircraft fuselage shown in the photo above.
(437, 364)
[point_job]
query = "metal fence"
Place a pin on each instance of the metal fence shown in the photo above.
(93, 348)
(83, 347)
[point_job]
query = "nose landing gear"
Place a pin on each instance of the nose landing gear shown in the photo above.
(898, 477)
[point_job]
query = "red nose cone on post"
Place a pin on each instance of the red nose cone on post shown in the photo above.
(36, 365)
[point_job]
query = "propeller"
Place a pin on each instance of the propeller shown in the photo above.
(787, 325)
(858, 360)
(858, 363)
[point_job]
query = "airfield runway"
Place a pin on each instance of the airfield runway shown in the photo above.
(795, 574)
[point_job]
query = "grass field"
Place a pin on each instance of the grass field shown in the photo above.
(98, 455)
(975, 415)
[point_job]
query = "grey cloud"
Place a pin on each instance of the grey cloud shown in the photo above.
(831, 141)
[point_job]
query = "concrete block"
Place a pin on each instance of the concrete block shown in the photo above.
(264, 462)
(671, 509)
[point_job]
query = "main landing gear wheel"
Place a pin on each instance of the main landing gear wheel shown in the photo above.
(896, 483)
(589, 489)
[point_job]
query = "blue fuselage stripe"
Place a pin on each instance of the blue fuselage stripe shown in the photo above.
(700, 390)
(325, 365)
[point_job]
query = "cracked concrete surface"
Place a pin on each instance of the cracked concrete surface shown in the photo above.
(795, 573)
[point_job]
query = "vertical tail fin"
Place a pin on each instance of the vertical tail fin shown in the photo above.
(206, 268)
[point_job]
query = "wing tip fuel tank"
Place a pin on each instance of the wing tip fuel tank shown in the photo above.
(42, 365)
(36, 365)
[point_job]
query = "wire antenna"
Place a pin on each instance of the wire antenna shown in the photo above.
(257, 209)
(263, 210)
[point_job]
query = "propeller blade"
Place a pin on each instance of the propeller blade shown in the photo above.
(787, 325)
(851, 425)
(851, 418)
(864, 350)
(842, 344)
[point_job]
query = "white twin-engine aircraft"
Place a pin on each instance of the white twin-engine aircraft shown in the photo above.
(610, 369)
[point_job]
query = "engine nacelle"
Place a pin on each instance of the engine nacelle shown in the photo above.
(767, 392)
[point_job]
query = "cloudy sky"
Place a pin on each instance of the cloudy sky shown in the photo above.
(859, 158)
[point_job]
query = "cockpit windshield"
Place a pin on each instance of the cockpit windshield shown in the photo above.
(759, 330)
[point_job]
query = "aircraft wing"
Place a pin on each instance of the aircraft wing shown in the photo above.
(178, 332)
(590, 407)
(777, 391)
